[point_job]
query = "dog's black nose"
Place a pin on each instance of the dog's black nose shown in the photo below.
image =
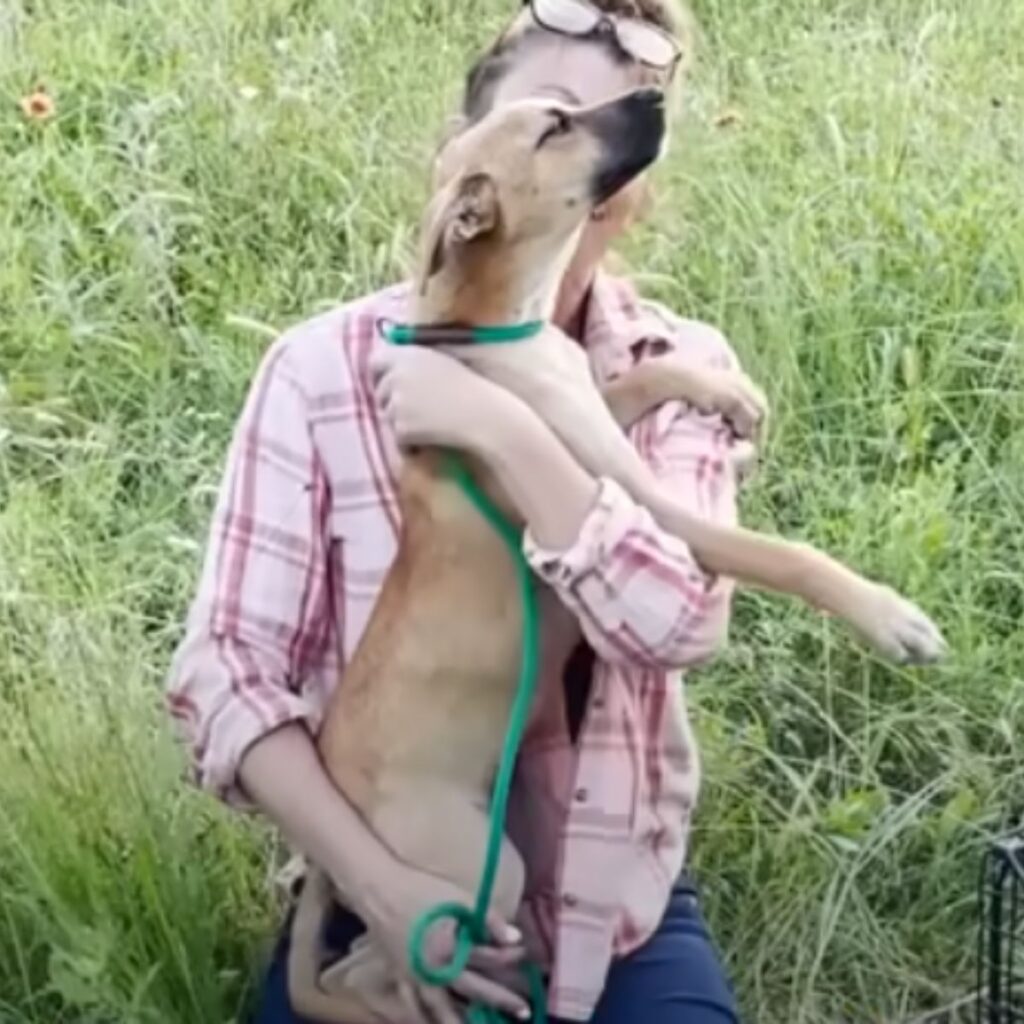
(646, 109)
(631, 130)
(650, 97)
(645, 104)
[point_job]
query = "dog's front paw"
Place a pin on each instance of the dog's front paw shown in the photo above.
(734, 396)
(898, 629)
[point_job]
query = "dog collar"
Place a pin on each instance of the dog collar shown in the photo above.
(457, 334)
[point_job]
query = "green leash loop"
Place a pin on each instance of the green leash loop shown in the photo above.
(470, 925)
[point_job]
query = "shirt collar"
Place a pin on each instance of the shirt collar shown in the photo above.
(618, 326)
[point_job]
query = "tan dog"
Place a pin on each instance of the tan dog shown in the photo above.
(517, 189)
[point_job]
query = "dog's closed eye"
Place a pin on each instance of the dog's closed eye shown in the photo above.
(560, 124)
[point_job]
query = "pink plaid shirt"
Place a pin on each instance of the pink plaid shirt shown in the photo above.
(304, 531)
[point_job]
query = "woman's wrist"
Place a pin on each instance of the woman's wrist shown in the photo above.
(365, 884)
(283, 775)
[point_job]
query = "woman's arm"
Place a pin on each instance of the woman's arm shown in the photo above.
(254, 627)
(636, 589)
(432, 399)
(283, 775)
(256, 621)
(262, 599)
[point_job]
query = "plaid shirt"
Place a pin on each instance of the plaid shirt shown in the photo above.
(305, 529)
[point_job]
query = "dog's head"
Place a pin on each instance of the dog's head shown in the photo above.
(515, 189)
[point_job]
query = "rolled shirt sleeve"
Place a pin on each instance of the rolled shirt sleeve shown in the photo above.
(261, 609)
(638, 592)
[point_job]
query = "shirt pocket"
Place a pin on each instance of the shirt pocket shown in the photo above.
(362, 549)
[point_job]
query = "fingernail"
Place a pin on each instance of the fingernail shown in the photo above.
(523, 1013)
(513, 936)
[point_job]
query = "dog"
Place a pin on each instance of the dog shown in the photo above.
(443, 643)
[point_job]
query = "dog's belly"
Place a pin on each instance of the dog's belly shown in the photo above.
(427, 694)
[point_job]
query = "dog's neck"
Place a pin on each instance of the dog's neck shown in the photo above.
(488, 290)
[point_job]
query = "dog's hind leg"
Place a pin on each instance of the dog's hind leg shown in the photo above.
(442, 832)
(306, 953)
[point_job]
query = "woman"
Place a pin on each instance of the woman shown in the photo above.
(306, 528)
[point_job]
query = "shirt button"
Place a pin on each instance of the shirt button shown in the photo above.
(582, 795)
(569, 900)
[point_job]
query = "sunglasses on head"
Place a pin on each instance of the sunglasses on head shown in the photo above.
(643, 42)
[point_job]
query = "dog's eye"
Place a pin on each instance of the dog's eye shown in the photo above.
(560, 124)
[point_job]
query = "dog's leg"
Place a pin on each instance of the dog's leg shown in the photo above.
(408, 825)
(730, 393)
(305, 955)
(535, 370)
(362, 969)
(368, 972)
(359, 988)
(891, 623)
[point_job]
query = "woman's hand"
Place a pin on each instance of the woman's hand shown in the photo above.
(391, 901)
(283, 774)
(432, 399)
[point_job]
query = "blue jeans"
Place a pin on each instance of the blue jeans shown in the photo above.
(676, 978)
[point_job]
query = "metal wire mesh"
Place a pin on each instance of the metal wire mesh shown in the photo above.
(1001, 934)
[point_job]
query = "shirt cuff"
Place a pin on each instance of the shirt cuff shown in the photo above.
(610, 518)
(218, 770)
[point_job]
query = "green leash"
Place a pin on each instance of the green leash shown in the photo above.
(470, 925)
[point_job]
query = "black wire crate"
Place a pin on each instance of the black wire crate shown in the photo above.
(1001, 934)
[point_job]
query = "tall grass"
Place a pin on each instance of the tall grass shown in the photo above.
(219, 169)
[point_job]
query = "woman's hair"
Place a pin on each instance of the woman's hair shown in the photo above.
(483, 77)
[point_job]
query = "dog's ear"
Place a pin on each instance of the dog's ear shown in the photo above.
(475, 210)
(472, 213)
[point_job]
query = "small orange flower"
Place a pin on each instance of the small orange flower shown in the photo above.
(39, 105)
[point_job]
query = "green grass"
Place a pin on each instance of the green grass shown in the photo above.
(859, 235)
